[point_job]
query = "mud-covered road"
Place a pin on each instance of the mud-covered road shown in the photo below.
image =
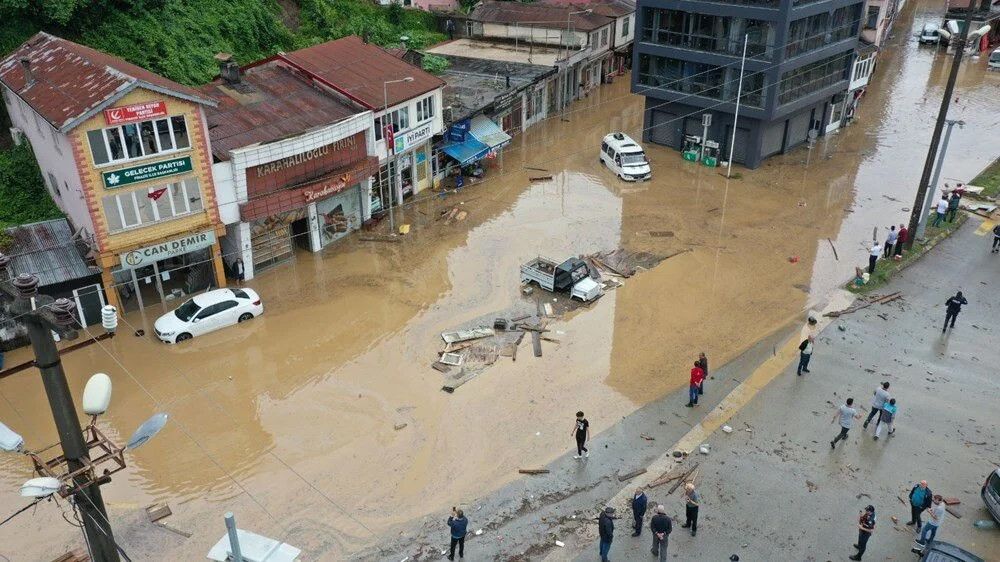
(289, 420)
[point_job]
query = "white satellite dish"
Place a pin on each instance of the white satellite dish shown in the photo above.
(97, 395)
(147, 430)
(40, 487)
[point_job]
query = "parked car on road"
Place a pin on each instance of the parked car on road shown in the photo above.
(991, 494)
(994, 62)
(624, 157)
(929, 34)
(936, 551)
(208, 312)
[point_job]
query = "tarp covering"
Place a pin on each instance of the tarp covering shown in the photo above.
(466, 152)
(488, 133)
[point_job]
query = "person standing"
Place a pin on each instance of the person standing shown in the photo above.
(697, 377)
(890, 242)
(691, 500)
(920, 499)
(239, 270)
(581, 430)
(450, 27)
(954, 307)
(936, 516)
(846, 415)
(639, 502)
(703, 363)
(805, 354)
(900, 242)
(953, 204)
(606, 528)
(942, 208)
(873, 256)
(866, 525)
(886, 418)
(880, 397)
(459, 526)
(996, 240)
(661, 525)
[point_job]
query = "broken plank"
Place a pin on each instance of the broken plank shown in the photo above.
(682, 479)
(533, 470)
(465, 335)
(536, 343)
(953, 512)
(379, 239)
(663, 480)
(536, 169)
(631, 475)
(550, 340)
(439, 366)
(540, 178)
(532, 328)
(519, 318)
(952, 501)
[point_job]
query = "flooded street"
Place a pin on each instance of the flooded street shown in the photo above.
(289, 420)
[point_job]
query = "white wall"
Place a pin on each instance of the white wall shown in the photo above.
(437, 122)
(620, 26)
(225, 192)
(55, 156)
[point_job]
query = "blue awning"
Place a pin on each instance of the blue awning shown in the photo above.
(468, 151)
(488, 133)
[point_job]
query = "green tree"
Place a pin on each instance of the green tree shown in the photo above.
(22, 189)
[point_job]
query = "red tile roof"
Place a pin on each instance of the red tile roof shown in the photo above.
(72, 82)
(358, 70)
(272, 102)
(552, 16)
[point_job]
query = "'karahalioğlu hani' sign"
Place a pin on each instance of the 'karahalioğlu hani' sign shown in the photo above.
(146, 172)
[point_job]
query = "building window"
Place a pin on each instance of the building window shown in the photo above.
(593, 39)
(809, 34)
(425, 109)
(400, 120)
(798, 83)
(700, 32)
(138, 140)
(154, 204)
(709, 81)
(625, 25)
(871, 21)
(604, 37)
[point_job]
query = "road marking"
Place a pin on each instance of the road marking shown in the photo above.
(985, 228)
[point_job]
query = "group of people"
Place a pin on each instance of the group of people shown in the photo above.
(892, 249)
(883, 412)
(947, 206)
(660, 524)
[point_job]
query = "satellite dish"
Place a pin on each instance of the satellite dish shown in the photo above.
(97, 395)
(146, 431)
(40, 487)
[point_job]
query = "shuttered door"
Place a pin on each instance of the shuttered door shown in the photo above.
(798, 129)
(272, 247)
(772, 138)
(740, 150)
(663, 129)
(692, 126)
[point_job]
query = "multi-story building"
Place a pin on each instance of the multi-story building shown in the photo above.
(622, 12)
(126, 156)
(687, 60)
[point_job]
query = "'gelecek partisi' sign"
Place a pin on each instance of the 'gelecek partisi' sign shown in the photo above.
(133, 113)
(169, 249)
(146, 172)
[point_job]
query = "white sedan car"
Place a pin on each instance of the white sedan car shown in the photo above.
(208, 312)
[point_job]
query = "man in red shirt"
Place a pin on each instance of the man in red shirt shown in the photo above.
(697, 376)
(900, 240)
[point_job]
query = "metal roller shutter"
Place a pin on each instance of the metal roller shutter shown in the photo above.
(772, 139)
(798, 129)
(663, 129)
(740, 150)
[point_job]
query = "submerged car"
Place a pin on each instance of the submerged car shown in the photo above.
(208, 312)
(624, 157)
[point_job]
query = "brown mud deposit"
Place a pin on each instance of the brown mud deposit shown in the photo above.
(289, 420)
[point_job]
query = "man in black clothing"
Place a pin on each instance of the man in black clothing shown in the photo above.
(954, 307)
(459, 524)
(996, 240)
(866, 524)
(639, 501)
(703, 363)
(661, 526)
(920, 499)
(581, 430)
(606, 528)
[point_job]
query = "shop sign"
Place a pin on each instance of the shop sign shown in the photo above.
(504, 101)
(169, 249)
(458, 131)
(146, 172)
(305, 166)
(412, 138)
(133, 113)
(328, 187)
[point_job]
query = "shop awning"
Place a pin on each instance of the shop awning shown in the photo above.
(468, 151)
(488, 133)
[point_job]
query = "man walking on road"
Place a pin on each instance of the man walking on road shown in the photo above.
(697, 377)
(639, 502)
(459, 525)
(920, 499)
(661, 527)
(954, 307)
(936, 513)
(691, 508)
(846, 415)
(996, 240)
(866, 524)
(805, 354)
(886, 418)
(703, 363)
(606, 528)
(581, 430)
(881, 396)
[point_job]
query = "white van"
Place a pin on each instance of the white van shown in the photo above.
(994, 62)
(625, 157)
(929, 34)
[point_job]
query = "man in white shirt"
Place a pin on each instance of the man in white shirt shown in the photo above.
(881, 396)
(936, 512)
(845, 415)
(942, 209)
(876, 251)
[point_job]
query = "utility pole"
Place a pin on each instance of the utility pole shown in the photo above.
(922, 225)
(949, 89)
(31, 309)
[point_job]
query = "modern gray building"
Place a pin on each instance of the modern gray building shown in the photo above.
(686, 63)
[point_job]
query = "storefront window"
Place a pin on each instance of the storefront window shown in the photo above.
(158, 203)
(138, 140)
(338, 215)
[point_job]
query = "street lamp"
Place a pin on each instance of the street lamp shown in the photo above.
(922, 225)
(568, 22)
(390, 156)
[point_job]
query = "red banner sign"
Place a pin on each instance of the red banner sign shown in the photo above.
(390, 139)
(325, 188)
(133, 113)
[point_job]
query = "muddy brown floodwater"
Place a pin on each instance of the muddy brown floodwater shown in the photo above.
(288, 420)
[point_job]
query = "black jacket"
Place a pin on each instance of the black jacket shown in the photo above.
(927, 496)
(955, 304)
(606, 525)
(660, 523)
(802, 346)
(639, 505)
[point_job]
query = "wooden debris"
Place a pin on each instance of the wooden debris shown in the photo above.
(834, 248)
(76, 555)
(533, 470)
(952, 501)
(854, 308)
(399, 426)
(516, 319)
(540, 178)
(536, 169)
(901, 500)
(666, 477)
(679, 252)
(536, 343)
(631, 475)
(451, 359)
(535, 329)
(380, 239)
(549, 311)
(953, 512)
(647, 437)
(550, 340)
(439, 366)
(158, 511)
(682, 479)
(174, 530)
(453, 347)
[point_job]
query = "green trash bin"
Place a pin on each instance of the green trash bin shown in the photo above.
(710, 161)
(691, 155)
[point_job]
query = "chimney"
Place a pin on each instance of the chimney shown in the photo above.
(29, 78)
(229, 71)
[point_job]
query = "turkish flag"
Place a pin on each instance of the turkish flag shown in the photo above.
(157, 193)
(390, 139)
